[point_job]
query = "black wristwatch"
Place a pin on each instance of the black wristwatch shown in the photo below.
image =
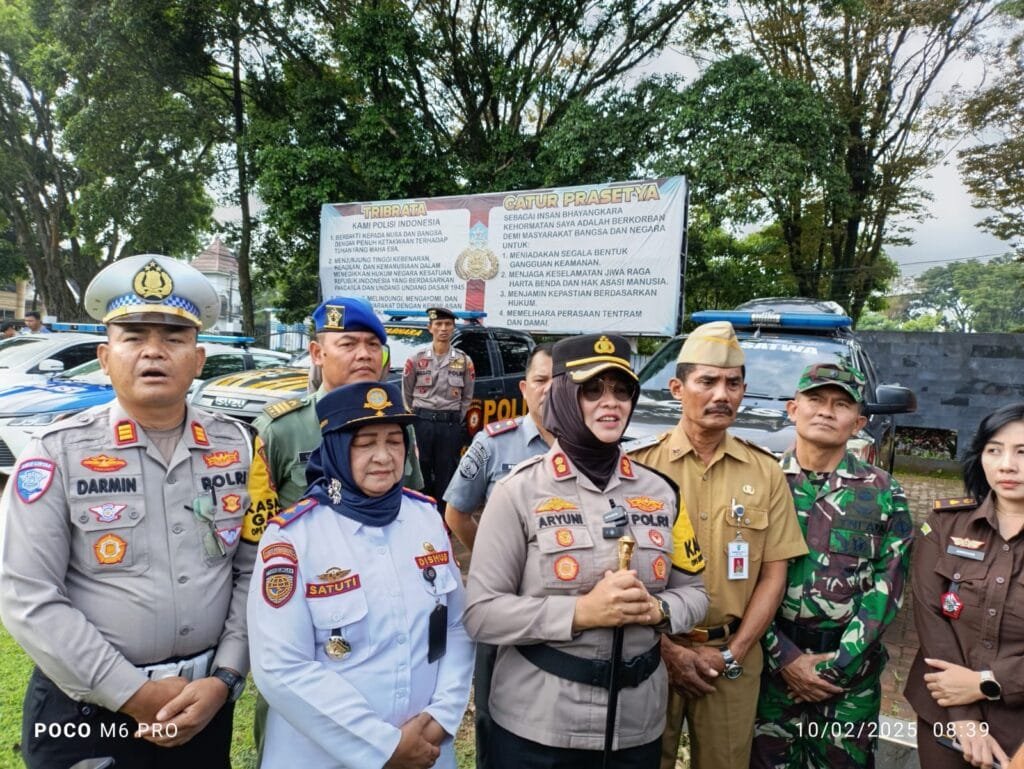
(990, 686)
(231, 679)
(666, 612)
(733, 669)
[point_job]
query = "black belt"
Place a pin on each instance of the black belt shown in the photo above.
(454, 417)
(811, 640)
(632, 672)
(705, 634)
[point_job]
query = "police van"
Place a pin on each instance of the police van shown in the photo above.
(499, 356)
(779, 337)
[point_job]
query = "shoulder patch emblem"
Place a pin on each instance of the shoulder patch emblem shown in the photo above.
(33, 478)
(501, 426)
(101, 463)
(279, 550)
(278, 584)
(954, 505)
(926, 529)
(280, 408)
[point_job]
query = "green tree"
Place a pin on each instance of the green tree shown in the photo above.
(994, 169)
(876, 66)
(975, 296)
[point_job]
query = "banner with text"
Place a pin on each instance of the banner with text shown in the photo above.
(584, 259)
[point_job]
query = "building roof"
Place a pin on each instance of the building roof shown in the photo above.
(216, 258)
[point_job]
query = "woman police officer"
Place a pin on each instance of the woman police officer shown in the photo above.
(545, 587)
(355, 607)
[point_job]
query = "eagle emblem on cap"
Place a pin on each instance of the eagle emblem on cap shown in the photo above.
(604, 346)
(152, 282)
(377, 400)
(335, 316)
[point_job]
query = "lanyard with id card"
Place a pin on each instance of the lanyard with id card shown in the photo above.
(437, 633)
(738, 550)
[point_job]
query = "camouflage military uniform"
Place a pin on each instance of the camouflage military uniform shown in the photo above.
(840, 597)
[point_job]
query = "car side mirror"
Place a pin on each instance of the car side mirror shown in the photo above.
(50, 366)
(892, 399)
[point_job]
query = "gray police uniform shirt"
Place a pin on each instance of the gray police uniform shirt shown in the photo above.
(442, 383)
(105, 567)
(540, 547)
(492, 455)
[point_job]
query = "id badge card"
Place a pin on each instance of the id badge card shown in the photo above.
(739, 559)
(437, 635)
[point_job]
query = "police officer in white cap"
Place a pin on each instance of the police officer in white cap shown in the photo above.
(122, 573)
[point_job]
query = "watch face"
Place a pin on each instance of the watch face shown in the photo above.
(733, 671)
(991, 688)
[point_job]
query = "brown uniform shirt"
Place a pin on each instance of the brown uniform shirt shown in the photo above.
(439, 383)
(539, 547)
(989, 633)
(104, 566)
(748, 475)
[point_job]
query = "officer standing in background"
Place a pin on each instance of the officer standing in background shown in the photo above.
(437, 384)
(495, 450)
(123, 574)
(348, 347)
(825, 652)
(742, 511)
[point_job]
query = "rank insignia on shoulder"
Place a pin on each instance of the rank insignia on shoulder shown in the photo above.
(292, 513)
(280, 408)
(33, 478)
(199, 435)
(500, 427)
(561, 466)
(926, 529)
(954, 505)
(125, 432)
(626, 468)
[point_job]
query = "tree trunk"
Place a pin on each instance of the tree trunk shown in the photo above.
(241, 161)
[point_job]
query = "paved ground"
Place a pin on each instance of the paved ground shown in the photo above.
(901, 638)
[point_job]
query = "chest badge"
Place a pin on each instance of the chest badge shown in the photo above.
(110, 549)
(567, 568)
(952, 605)
(645, 504)
(333, 574)
(564, 537)
(108, 512)
(336, 647)
(656, 537)
(555, 505)
(101, 463)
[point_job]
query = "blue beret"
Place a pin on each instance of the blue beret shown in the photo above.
(348, 313)
(364, 403)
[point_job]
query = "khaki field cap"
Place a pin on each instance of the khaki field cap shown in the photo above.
(151, 288)
(713, 344)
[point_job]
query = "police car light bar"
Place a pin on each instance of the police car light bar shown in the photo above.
(461, 314)
(794, 320)
(99, 328)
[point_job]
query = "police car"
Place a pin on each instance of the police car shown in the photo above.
(779, 337)
(499, 356)
(37, 357)
(31, 405)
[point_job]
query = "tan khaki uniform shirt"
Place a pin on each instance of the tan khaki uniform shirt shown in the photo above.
(104, 568)
(539, 547)
(752, 477)
(442, 383)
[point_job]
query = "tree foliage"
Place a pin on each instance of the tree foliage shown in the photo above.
(875, 65)
(994, 169)
(974, 296)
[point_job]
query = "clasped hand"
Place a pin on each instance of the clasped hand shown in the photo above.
(618, 599)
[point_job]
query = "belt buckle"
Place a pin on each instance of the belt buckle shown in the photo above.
(698, 634)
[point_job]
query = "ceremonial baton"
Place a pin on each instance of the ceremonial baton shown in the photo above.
(626, 545)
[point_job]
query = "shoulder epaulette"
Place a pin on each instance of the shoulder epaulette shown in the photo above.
(501, 426)
(756, 446)
(413, 494)
(954, 505)
(280, 408)
(642, 443)
(78, 420)
(530, 462)
(293, 513)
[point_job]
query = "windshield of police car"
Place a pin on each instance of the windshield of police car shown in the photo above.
(404, 342)
(773, 365)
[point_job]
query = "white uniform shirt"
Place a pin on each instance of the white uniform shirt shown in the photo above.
(347, 713)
